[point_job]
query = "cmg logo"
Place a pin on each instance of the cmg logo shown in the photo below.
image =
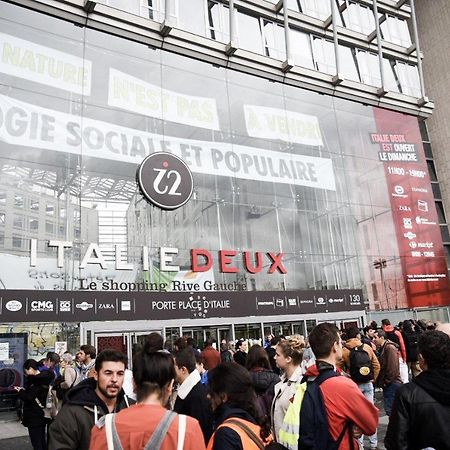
(165, 180)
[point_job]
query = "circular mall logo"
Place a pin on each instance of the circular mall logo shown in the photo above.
(165, 180)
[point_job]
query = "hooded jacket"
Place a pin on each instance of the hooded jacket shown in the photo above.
(390, 329)
(72, 426)
(421, 413)
(36, 388)
(263, 380)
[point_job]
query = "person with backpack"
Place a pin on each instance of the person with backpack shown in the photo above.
(69, 378)
(263, 378)
(34, 398)
(333, 410)
(148, 424)
(360, 362)
(239, 426)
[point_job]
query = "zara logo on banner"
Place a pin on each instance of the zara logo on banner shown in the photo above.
(165, 180)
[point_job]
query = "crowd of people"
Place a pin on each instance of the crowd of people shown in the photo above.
(290, 393)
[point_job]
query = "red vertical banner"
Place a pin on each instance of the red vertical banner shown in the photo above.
(414, 212)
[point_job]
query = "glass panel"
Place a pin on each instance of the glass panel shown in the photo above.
(218, 21)
(424, 130)
(390, 76)
(324, 57)
(359, 18)
(249, 29)
(301, 49)
(18, 201)
(2, 218)
(432, 171)
(274, 40)
(440, 212)
(34, 225)
(320, 9)
(436, 190)
(347, 63)
(444, 233)
(409, 79)
(192, 16)
(369, 68)
(395, 30)
(428, 150)
(34, 205)
(131, 6)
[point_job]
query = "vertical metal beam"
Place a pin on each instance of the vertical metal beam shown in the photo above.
(337, 78)
(423, 99)
(232, 46)
(287, 64)
(382, 90)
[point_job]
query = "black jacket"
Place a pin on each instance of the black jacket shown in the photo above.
(225, 438)
(264, 380)
(421, 413)
(410, 338)
(197, 405)
(240, 358)
(72, 426)
(36, 388)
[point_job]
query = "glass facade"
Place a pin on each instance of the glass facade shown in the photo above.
(276, 168)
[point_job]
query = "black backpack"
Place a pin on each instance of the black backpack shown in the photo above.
(314, 427)
(361, 370)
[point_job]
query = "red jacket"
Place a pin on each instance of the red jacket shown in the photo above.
(344, 402)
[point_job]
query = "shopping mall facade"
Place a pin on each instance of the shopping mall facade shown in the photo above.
(303, 130)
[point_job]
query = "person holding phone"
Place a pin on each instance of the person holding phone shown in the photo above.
(34, 397)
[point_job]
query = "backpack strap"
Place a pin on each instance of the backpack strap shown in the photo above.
(248, 431)
(159, 434)
(181, 431)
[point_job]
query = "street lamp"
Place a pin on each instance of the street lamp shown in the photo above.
(381, 264)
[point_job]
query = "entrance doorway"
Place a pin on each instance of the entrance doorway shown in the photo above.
(128, 343)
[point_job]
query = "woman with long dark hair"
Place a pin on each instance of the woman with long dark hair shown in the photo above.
(34, 397)
(239, 425)
(149, 422)
(263, 377)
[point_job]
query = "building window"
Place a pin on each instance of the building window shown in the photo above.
(440, 213)
(347, 63)
(18, 201)
(18, 221)
(192, 16)
(2, 218)
(391, 82)
(395, 30)
(359, 18)
(408, 76)
(432, 170)
(155, 10)
(16, 241)
(301, 49)
(34, 205)
(369, 68)
(218, 21)
(274, 40)
(50, 209)
(49, 227)
(324, 57)
(249, 33)
(319, 9)
(34, 225)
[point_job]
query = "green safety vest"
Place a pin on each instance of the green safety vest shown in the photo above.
(289, 432)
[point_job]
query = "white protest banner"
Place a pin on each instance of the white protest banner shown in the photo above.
(133, 94)
(288, 126)
(34, 126)
(25, 59)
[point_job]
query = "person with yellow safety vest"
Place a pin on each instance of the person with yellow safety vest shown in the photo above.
(238, 423)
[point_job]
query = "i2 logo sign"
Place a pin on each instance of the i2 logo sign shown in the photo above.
(165, 180)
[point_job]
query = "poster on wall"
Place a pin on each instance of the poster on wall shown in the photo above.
(416, 222)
